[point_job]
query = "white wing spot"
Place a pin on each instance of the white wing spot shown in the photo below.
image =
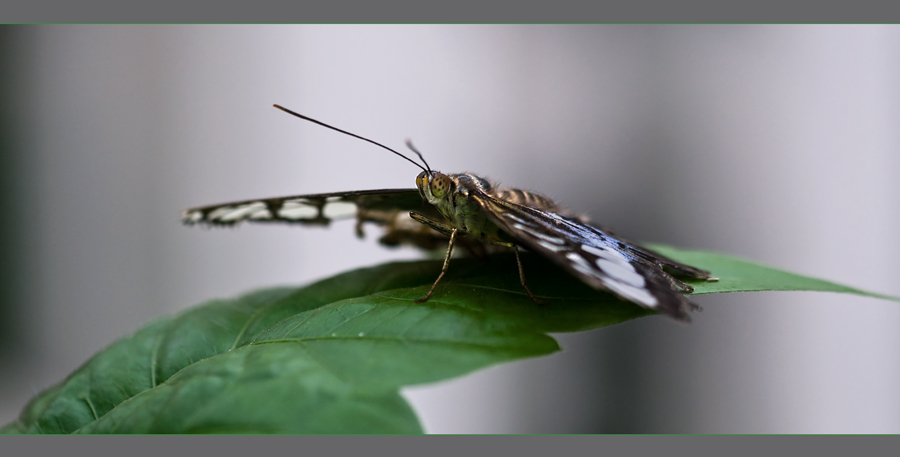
(545, 237)
(619, 279)
(518, 219)
(541, 236)
(578, 261)
(218, 212)
(585, 269)
(606, 253)
(336, 210)
(297, 210)
(192, 216)
(640, 296)
(241, 211)
(552, 247)
(618, 271)
(260, 214)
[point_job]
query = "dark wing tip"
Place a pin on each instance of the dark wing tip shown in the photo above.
(678, 307)
(191, 216)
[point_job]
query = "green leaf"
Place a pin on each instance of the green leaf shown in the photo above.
(738, 275)
(330, 357)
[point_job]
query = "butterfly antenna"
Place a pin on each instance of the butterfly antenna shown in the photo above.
(355, 136)
(410, 145)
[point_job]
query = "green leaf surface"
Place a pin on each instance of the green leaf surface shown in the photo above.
(330, 357)
(739, 275)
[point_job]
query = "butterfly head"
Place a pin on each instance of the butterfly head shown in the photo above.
(434, 186)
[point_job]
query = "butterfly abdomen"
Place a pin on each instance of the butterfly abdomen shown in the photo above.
(467, 182)
(529, 199)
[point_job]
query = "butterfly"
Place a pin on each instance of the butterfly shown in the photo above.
(470, 211)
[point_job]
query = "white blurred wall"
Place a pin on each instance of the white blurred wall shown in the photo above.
(777, 143)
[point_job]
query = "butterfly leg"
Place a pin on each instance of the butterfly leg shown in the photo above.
(522, 277)
(437, 226)
(443, 269)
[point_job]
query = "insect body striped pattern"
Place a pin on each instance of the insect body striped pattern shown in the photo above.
(468, 210)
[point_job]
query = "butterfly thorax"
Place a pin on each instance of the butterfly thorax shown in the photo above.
(451, 195)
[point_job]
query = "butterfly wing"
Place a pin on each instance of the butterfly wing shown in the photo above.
(388, 208)
(312, 209)
(598, 258)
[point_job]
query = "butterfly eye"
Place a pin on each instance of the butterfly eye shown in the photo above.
(440, 185)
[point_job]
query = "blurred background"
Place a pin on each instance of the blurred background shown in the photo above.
(776, 143)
